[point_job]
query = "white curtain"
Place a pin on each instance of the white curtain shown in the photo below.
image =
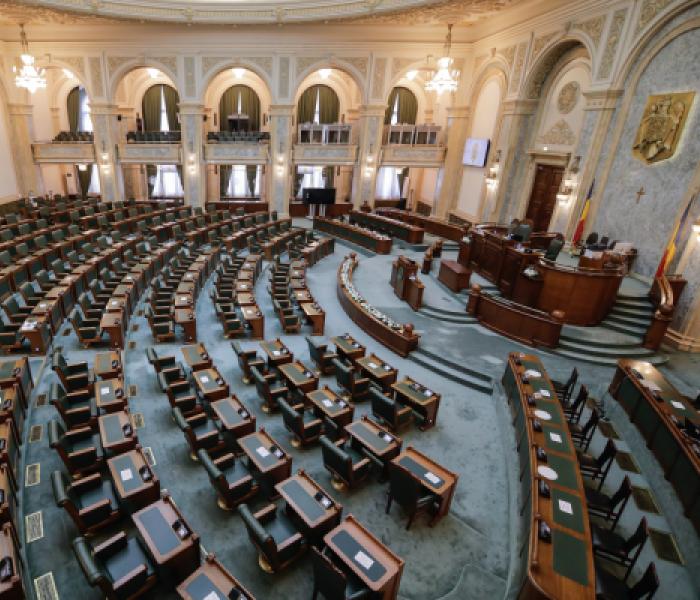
(313, 178)
(388, 183)
(167, 184)
(238, 182)
(395, 111)
(85, 124)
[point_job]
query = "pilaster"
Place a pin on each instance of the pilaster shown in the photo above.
(457, 128)
(370, 128)
(193, 167)
(280, 172)
(105, 130)
(27, 172)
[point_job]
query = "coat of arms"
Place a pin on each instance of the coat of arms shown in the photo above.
(661, 126)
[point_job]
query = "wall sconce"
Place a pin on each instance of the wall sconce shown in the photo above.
(569, 182)
(493, 171)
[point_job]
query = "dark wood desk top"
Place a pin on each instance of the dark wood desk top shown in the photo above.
(128, 471)
(260, 448)
(417, 393)
(431, 475)
(109, 392)
(196, 356)
(155, 525)
(329, 402)
(378, 369)
(117, 431)
(376, 439)
(107, 363)
(277, 352)
(349, 346)
(211, 582)
(298, 374)
(231, 412)
(308, 500)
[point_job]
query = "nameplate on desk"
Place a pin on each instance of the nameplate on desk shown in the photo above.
(114, 303)
(126, 475)
(432, 478)
(545, 393)
(650, 385)
(555, 437)
(566, 507)
(263, 452)
(531, 373)
(363, 560)
(542, 414)
(104, 390)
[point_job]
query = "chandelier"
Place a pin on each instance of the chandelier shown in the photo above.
(445, 78)
(28, 76)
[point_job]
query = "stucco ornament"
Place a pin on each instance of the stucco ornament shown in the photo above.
(568, 97)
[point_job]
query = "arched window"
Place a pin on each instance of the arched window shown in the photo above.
(152, 108)
(239, 101)
(402, 107)
(318, 104)
(79, 119)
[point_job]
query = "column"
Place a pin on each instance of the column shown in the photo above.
(193, 166)
(457, 129)
(106, 131)
(370, 127)
(22, 133)
(280, 169)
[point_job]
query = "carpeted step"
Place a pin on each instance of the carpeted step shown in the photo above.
(632, 321)
(455, 366)
(462, 320)
(605, 351)
(637, 313)
(635, 330)
(641, 297)
(600, 336)
(637, 304)
(461, 375)
(655, 359)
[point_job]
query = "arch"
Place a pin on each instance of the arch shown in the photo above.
(223, 79)
(497, 66)
(54, 63)
(317, 87)
(116, 78)
(171, 115)
(390, 102)
(344, 86)
(547, 61)
(336, 64)
(258, 110)
(222, 67)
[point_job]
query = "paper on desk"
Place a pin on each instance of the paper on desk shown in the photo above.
(104, 390)
(212, 596)
(555, 437)
(204, 379)
(678, 405)
(372, 365)
(327, 402)
(364, 560)
(566, 507)
(432, 478)
(263, 452)
(126, 474)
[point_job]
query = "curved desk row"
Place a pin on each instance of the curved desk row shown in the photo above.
(381, 244)
(431, 225)
(399, 338)
(389, 226)
(557, 556)
(663, 417)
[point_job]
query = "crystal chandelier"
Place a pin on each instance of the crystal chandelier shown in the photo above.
(445, 78)
(28, 76)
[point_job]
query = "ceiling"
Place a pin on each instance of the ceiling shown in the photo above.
(220, 12)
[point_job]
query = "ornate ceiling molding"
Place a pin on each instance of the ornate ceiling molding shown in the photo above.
(254, 11)
(593, 28)
(559, 135)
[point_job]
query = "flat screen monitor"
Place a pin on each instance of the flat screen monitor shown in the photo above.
(476, 151)
(319, 195)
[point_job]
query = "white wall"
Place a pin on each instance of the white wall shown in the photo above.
(483, 126)
(426, 193)
(8, 181)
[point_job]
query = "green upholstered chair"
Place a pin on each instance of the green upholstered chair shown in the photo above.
(73, 376)
(274, 535)
(233, 326)
(89, 501)
(30, 294)
(169, 376)
(120, 567)
(88, 331)
(11, 337)
(320, 355)
(393, 414)
(269, 389)
(333, 583)
(304, 426)
(553, 249)
(609, 508)
(182, 396)
(614, 548)
(91, 310)
(350, 380)
(14, 311)
(347, 467)
(246, 360)
(230, 478)
(79, 449)
(162, 326)
(77, 409)
(200, 432)
(597, 467)
(407, 491)
(609, 587)
(159, 362)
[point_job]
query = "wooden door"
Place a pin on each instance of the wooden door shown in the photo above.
(544, 196)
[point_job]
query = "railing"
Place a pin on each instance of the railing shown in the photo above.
(664, 294)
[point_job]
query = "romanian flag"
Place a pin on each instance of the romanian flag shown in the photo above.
(584, 213)
(670, 250)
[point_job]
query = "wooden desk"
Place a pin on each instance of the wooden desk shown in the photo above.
(51, 310)
(419, 398)
(315, 315)
(302, 296)
(37, 330)
(211, 581)
(382, 444)
(435, 478)
(381, 244)
(348, 347)
(661, 414)
(326, 403)
(113, 324)
(170, 541)
(186, 319)
(299, 377)
(431, 225)
(110, 396)
(267, 459)
(561, 567)
(310, 505)
(9, 447)
(393, 227)
(377, 370)
(242, 286)
(117, 432)
(210, 384)
(11, 409)
(9, 506)
(254, 318)
(236, 420)
(134, 481)
(11, 588)
(376, 566)
(184, 301)
(245, 299)
(108, 365)
(117, 305)
(196, 357)
(277, 353)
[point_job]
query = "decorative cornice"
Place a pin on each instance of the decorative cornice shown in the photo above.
(593, 28)
(602, 100)
(650, 8)
(614, 37)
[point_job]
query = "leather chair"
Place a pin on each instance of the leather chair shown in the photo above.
(120, 567)
(617, 549)
(268, 394)
(30, 295)
(583, 434)
(609, 587)
(230, 478)
(79, 449)
(320, 355)
(77, 409)
(87, 331)
(574, 409)
(91, 310)
(274, 535)
(565, 389)
(73, 376)
(553, 249)
(233, 327)
(347, 467)
(169, 376)
(246, 360)
(333, 583)
(409, 493)
(159, 362)
(89, 501)
(597, 467)
(162, 327)
(349, 379)
(609, 508)
(15, 312)
(200, 432)
(11, 337)
(391, 413)
(303, 425)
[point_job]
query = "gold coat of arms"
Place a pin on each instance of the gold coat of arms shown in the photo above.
(662, 126)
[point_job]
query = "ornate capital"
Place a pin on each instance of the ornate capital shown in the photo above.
(520, 107)
(602, 99)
